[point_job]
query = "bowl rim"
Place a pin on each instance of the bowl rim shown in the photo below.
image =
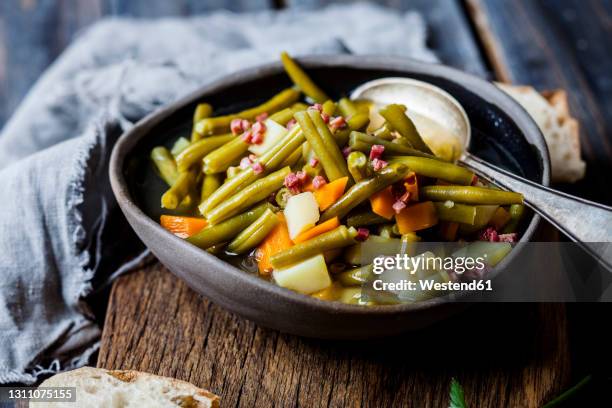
(486, 90)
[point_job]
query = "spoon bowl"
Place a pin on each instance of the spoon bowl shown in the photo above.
(579, 219)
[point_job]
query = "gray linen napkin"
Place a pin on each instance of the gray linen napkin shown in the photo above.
(59, 224)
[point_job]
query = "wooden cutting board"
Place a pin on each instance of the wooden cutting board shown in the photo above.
(503, 354)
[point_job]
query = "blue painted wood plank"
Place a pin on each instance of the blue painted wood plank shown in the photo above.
(449, 32)
(563, 44)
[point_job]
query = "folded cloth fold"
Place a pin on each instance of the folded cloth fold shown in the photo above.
(62, 235)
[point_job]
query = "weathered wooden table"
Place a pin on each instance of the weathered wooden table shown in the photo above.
(503, 354)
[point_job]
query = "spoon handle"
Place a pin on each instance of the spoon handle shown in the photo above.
(581, 220)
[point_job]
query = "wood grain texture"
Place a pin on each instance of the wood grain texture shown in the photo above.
(559, 44)
(449, 33)
(504, 355)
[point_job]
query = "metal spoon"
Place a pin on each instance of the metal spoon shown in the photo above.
(581, 220)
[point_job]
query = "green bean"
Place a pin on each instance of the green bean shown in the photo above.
(302, 80)
(364, 142)
(231, 172)
(293, 158)
(181, 188)
(220, 124)
(347, 107)
(282, 196)
(283, 117)
(181, 144)
(165, 164)
(228, 229)
(364, 189)
(329, 107)
(218, 160)
(516, 214)
(299, 106)
(387, 231)
(337, 238)
(398, 120)
(327, 152)
(329, 141)
(358, 165)
(194, 153)
(466, 214)
(384, 132)
(202, 111)
(365, 218)
(436, 169)
(359, 121)
(270, 160)
(255, 192)
(210, 182)
(356, 276)
(470, 195)
(251, 236)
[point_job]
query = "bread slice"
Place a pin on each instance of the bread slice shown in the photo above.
(550, 110)
(97, 388)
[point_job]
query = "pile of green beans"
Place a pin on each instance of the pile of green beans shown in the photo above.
(244, 198)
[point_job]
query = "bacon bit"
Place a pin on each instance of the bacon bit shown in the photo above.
(253, 157)
(248, 136)
(512, 237)
(398, 206)
(489, 235)
(257, 138)
(346, 151)
(291, 180)
(316, 106)
(325, 117)
(362, 234)
(292, 122)
(245, 162)
(379, 164)
(318, 182)
(314, 162)
(337, 123)
(261, 117)
(236, 126)
(474, 180)
(302, 176)
(258, 130)
(258, 127)
(376, 151)
(258, 168)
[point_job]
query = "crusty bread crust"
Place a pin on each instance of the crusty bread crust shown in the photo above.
(95, 387)
(550, 110)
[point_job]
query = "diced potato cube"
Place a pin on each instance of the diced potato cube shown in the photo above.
(306, 277)
(274, 132)
(301, 213)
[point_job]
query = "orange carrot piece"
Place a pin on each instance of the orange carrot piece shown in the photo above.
(382, 203)
(448, 230)
(182, 227)
(417, 217)
(276, 241)
(317, 230)
(308, 186)
(412, 186)
(330, 193)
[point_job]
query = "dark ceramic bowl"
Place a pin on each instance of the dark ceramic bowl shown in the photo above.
(502, 133)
